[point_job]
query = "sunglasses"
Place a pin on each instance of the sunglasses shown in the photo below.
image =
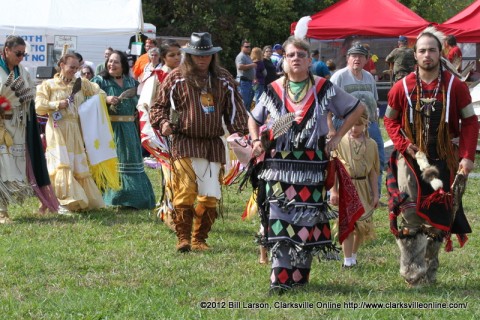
(85, 73)
(20, 54)
(246, 46)
(300, 54)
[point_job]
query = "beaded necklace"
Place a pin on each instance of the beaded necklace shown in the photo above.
(206, 96)
(358, 153)
(298, 95)
(427, 105)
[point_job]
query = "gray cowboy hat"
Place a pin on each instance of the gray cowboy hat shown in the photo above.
(201, 45)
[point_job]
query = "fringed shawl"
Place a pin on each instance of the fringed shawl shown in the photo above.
(312, 108)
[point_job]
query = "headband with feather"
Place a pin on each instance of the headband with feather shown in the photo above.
(434, 32)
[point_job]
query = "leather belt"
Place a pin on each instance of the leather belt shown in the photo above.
(243, 78)
(122, 118)
(359, 178)
(7, 116)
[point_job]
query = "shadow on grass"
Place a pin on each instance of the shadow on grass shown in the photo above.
(106, 217)
(397, 287)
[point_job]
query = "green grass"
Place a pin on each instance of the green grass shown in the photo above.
(123, 265)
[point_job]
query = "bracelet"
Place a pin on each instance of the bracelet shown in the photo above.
(255, 140)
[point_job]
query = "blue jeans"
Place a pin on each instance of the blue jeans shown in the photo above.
(246, 91)
(375, 134)
(259, 88)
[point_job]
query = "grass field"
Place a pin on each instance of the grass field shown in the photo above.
(122, 264)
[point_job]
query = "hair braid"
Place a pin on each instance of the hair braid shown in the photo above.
(444, 146)
(417, 118)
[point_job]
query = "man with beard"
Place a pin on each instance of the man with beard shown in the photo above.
(422, 118)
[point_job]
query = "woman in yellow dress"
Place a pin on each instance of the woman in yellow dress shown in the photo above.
(67, 161)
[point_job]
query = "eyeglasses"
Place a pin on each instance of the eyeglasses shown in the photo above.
(20, 54)
(300, 54)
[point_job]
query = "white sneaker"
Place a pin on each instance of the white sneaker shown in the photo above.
(4, 218)
(64, 211)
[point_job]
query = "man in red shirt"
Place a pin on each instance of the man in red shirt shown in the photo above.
(423, 116)
(453, 52)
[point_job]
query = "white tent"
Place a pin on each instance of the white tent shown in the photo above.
(87, 26)
(82, 17)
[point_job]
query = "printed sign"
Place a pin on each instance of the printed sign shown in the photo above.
(36, 49)
(60, 41)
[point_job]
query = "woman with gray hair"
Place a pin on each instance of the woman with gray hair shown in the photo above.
(150, 68)
(153, 63)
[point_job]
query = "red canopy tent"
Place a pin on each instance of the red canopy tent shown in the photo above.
(380, 18)
(465, 25)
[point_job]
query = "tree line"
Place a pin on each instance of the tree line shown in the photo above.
(261, 22)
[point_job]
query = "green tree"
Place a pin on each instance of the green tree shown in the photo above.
(437, 10)
(262, 22)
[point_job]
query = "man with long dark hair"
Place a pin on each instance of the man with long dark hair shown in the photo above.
(423, 119)
(193, 101)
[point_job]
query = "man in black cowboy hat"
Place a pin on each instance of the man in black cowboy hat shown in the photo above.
(192, 103)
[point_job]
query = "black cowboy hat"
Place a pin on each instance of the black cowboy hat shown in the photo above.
(200, 45)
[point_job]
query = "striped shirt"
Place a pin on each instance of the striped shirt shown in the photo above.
(199, 132)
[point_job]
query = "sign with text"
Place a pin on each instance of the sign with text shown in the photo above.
(36, 49)
(60, 41)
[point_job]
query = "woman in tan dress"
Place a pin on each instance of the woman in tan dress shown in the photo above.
(359, 155)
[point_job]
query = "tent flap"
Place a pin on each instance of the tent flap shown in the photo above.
(465, 25)
(382, 18)
(86, 17)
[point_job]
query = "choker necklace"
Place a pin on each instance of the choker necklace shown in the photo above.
(64, 79)
(118, 77)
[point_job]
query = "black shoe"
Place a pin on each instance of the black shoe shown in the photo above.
(299, 287)
(348, 267)
(278, 290)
